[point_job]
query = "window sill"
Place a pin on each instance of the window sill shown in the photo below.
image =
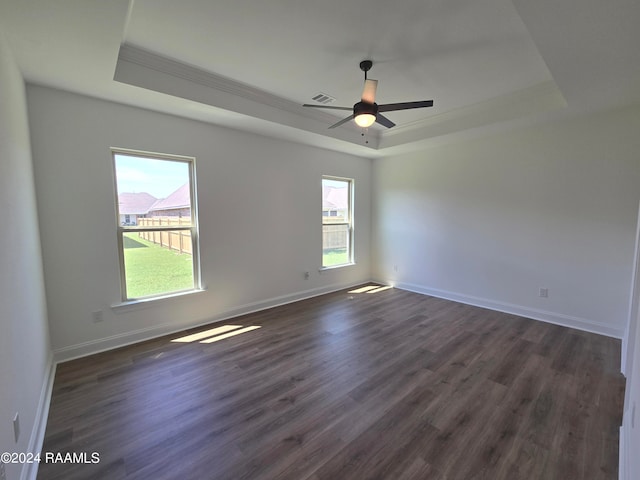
(334, 267)
(131, 305)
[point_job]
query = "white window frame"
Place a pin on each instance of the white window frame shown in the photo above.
(193, 227)
(349, 224)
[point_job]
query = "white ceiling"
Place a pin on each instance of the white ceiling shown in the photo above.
(251, 64)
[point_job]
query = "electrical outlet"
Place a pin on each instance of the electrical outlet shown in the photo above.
(543, 293)
(16, 427)
(97, 316)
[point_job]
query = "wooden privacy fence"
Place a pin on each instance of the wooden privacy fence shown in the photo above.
(178, 240)
(334, 237)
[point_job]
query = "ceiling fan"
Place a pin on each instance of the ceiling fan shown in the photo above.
(367, 111)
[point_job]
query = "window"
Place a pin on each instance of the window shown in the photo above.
(156, 224)
(337, 221)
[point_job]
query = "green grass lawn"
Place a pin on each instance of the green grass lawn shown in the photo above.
(334, 257)
(152, 270)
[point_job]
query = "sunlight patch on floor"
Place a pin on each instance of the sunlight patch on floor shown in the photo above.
(371, 289)
(380, 289)
(230, 334)
(206, 334)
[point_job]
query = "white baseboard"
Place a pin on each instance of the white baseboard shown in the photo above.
(30, 470)
(622, 455)
(536, 314)
(127, 338)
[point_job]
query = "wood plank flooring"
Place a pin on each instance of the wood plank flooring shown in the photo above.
(382, 385)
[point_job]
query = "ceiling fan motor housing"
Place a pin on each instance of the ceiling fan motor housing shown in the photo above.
(364, 108)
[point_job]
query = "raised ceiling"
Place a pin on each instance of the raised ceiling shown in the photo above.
(247, 64)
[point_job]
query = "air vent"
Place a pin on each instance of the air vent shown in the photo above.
(323, 98)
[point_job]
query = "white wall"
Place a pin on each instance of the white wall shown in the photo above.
(260, 218)
(631, 421)
(25, 354)
(630, 432)
(490, 221)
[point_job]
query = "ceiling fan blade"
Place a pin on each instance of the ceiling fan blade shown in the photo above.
(369, 92)
(327, 106)
(344, 120)
(391, 107)
(382, 120)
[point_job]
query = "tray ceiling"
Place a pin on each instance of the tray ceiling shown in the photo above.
(486, 64)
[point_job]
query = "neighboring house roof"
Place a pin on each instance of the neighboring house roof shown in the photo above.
(335, 198)
(135, 203)
(181, 198)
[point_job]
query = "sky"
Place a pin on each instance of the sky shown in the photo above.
(157, 177)
(334, 183)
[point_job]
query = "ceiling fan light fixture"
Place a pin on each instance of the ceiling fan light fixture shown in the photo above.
(364, 114)
(365, 120)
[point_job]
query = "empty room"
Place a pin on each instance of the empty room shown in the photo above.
(319, 240)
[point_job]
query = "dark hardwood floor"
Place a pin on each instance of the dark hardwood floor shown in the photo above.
(382, 385)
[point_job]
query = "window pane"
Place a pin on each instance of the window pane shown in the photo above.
(152, 188)
(156, 222)
(157, 262)
(335, 245)
(335, 201)
(336, 222)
